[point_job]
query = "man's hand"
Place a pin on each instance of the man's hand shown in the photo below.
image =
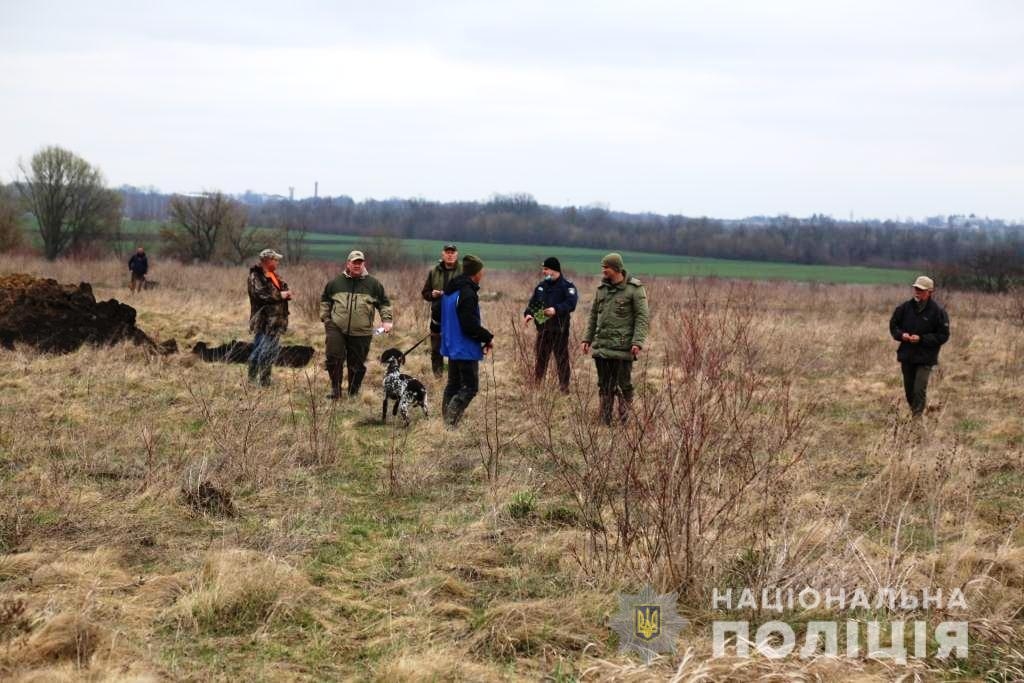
(387, 327)
(436, 293)
(286, 294)
(550, 311)
(914, 339)
(905, 337)
(488, 346)
(527, 319)
(635, 350)
(585, 347)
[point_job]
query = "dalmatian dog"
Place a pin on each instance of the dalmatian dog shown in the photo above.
(406, 391)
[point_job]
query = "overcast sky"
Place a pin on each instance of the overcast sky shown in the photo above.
(724, 108)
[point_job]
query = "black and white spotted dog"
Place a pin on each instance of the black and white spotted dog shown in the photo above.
(407, 392)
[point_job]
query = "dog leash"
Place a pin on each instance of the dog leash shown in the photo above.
(406, 353)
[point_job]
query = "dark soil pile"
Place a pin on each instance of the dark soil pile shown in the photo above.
(58, 318)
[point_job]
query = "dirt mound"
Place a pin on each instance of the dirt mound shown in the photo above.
(238, 352)
(60, 318)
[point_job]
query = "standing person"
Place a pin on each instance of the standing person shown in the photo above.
(138, 266)
(464, 339)
(550, 308)
(921, 326)
(268, 315)
(616, 333)
(433, 289)
(347, 309)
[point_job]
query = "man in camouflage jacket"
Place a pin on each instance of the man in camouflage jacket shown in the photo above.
(268, 315)
(347, 309)
(433, 289)
(616, 333)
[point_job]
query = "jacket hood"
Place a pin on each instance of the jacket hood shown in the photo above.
(458, 282)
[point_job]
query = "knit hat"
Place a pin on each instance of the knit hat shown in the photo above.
(471, 265)
(613, 261)
(552, 263)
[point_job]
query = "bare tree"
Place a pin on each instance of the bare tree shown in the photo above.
(240, 242)
(11, 235)
(69, 199)
(204, 225)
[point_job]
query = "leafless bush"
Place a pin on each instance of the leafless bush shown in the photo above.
(703, 460)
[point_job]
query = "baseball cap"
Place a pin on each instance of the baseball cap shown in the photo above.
(925, 283)
(270, 253)
(451, 246)
(356, 255)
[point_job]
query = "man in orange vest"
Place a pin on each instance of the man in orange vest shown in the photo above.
(268, 315)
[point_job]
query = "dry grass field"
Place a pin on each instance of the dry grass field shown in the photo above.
(770, 448)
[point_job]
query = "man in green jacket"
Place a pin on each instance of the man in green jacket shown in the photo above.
(347, 312)
(437, 279)
(616, 333)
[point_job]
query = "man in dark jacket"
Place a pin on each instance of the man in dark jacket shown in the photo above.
(347, 309)
(138, 266)
(268, 315)
(921, 326)
(550, 309)
(464, 339)
(433, 289)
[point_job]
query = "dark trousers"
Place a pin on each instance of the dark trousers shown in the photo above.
(614, 377)
(436, 359)
(463, 385)
(553, 338)
(350, 351)
(915, 386)
(265, 348)
(138, 282)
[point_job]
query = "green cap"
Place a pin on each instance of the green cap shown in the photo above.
(613, 261)
(471, 265)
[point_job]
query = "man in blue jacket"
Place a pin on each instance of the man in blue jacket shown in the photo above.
(550, 308)
(921, 326)
(464, 340)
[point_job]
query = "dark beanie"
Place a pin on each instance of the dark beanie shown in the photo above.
(552, 263)
(471, 265)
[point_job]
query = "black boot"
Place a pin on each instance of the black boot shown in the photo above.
(265, 375)
(453, 411)
(355, 380)
(254, 372)
(607, 404)
(334, 372)
(625, 406)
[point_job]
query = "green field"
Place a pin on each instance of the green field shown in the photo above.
(582, 260)
(578, 260)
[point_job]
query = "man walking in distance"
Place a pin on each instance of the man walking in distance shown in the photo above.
(433, 289)
(268, 315)
(616, 334)
(138, 266)
(347, 309)
(550, 308)
(921, 326)
(464, 340)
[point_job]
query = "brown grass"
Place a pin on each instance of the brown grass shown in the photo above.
(359, 551)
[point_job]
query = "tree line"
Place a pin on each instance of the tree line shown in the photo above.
(74, 209)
